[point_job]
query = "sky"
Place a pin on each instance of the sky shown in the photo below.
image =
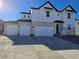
(10, 9)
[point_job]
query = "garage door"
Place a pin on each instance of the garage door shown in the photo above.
(11, 30)
(24, 30)
(44, 31)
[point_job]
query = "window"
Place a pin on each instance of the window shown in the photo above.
(69, 15)
(47, 13)
(24, 16)
(28, 16)
(69, 27)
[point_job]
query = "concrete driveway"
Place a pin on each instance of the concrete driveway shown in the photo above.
(39, 48)
(53, 43)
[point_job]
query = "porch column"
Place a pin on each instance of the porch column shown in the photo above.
(31, 30)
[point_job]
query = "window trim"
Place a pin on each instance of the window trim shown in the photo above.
(28, 16)
(69, 15)
(69, 27)
(47, 13)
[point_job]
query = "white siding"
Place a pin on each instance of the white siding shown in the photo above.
(22, 16)
(40, 15)
(70, 21)
(69, 8)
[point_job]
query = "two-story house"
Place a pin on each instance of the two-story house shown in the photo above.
(45, 20)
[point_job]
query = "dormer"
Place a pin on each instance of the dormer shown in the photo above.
(25, 15)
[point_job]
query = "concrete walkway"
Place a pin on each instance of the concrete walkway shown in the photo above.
(52, 48)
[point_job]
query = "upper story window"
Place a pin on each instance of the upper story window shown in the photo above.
(47, 13)
(69, 15)
(24, 16)
(28, 16)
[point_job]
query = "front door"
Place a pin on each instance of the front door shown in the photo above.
(57, 29)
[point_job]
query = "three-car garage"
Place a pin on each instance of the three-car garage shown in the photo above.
(25, 29)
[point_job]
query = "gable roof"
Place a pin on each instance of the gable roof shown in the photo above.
(43, 5)
(73, 10)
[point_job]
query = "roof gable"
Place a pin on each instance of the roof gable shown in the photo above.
(49, 4)
(44, 5)
(69, 8)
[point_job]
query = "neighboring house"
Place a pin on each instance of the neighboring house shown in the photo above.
(45, 20)
(77, 27)
(1, 27)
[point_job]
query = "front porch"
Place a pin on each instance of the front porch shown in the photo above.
(58, 27)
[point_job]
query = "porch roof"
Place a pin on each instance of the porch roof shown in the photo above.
(59, 21)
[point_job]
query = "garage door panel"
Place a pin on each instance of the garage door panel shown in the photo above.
(24, 30)
(11, 30)
(43, 31)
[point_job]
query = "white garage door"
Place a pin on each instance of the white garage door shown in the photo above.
(24, 30)
(11, 30)
(44, 31)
